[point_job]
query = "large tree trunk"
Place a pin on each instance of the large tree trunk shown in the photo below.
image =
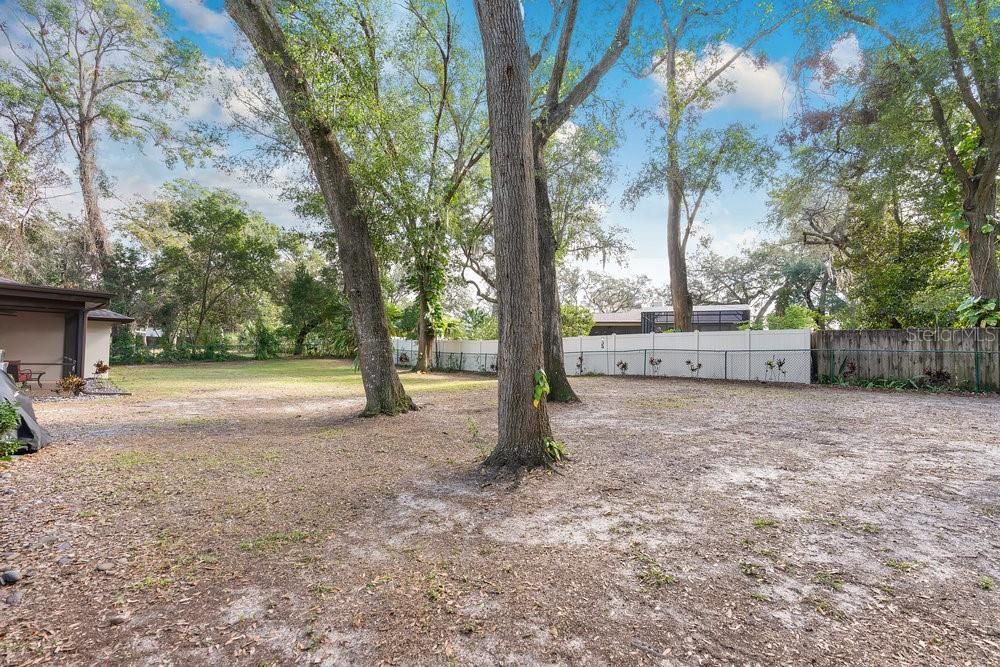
(983, 270)
(425, 336)
(680, 295)
(97, 232)
(383, 390)
(552, 339)
(522, 427)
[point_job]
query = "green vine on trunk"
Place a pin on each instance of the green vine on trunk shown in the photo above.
(541, 387)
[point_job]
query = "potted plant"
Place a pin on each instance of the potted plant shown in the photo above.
(654, 363)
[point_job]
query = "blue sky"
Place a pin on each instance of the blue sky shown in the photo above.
(763, 98)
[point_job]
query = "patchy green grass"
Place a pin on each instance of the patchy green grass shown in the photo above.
(763, 522)
(901, 565)
(651, 573)
(150, 582)
(129, 460)
(985, 583)
(272, 542)
(826, 608)
(829, 579)
(327, 377)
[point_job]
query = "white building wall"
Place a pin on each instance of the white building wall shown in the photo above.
(34, 338)
(98, 346)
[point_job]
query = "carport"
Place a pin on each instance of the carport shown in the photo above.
(48, 330)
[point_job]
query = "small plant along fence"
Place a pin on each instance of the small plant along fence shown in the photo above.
(934, 359)
(767, 356)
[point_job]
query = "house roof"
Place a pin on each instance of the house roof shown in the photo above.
(623, 317)
(22, 297)
(627, 317)
(8, 286)
(105, 315)
(704, 308)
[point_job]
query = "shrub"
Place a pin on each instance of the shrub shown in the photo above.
(72, 384)
(937, 377)
(9, 418)
(101, 368)
(266, 341)
(9, 421)
(795, 317)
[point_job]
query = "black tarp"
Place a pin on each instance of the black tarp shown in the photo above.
(29, 432)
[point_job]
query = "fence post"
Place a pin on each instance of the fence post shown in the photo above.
(645, 355)
(976, 347)
(461, 360)
(725, 364)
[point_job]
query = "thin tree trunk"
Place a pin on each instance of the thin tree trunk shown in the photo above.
(523, 428)
(383, 390)
(552, 338)
(983, 270)
(97, 232)
(680, 295)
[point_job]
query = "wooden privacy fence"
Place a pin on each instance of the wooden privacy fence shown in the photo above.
(965, 358)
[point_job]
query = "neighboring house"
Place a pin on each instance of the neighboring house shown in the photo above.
(55, 330)
(724, 317)
(150, 337)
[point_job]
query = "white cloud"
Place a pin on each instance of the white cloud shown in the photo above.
(220, 80)
(199, 18)
(764, 87)
(750, 84)
(845, 53)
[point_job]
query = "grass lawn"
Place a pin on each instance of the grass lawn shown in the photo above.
(241, 513)
(308, 376)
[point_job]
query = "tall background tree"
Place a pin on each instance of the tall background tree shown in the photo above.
(107, 69)
(561, 96)
(691, 68)
(953, 65)
(316, 128)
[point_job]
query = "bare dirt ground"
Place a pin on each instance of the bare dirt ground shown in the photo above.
(699, 523)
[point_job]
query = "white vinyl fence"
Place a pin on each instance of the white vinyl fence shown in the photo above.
(772, 356)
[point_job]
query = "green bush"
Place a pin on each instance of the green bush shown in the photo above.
(795, 317)
(9, 418)
(265, 340)
(9, 421)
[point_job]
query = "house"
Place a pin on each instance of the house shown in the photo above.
(721, 317)
(55, 331)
